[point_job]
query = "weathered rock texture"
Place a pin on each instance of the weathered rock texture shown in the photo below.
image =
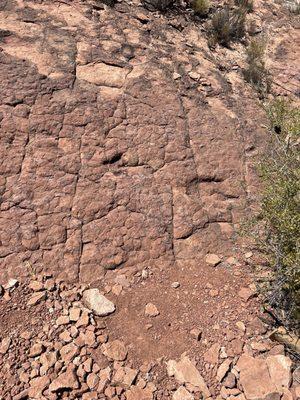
(124, 140)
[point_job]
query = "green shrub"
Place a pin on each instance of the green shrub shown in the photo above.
(280, 209)
(201, 7)
(227, 25)
(246, 4)
(256, 72)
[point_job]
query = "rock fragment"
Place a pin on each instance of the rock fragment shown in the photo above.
(151, 310)
(223, 369)
(196, 333)
(280, 371)
(182, 394)
(98, 303)
(36, 298)
(185, 371)
(212, 354)
(5, 344)
(255, 379)
(36, 350)
(37, 386)
(115, 350)
(212, 259)
(66, 380)
(136, 393)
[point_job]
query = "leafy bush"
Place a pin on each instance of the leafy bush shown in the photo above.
(256, 72)
(280, 209)
(201, 7)
(227, 26)
(246, 4)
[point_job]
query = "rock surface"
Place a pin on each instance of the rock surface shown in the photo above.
(127, 161)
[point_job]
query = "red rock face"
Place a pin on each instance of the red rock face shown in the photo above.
(108, 159)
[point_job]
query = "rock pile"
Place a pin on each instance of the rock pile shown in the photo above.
(72, 355)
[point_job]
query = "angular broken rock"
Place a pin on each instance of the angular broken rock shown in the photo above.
(212, 354)
(136, 393)
(68, 352)
(98, 303)
(37, 386)
(151, 310)
(4, 346)
(223, 369)
(255, 379)
(280, 370)
(36, 298)
(212, 259)
(246, 293)
(182, 394)
(115, 350)
(11, 284)
(185, 372)
(125, 376)
(67, 380)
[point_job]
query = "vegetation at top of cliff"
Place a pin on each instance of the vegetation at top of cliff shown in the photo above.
(256, 72)
(201, 7)
(279, 219)
(228, 24)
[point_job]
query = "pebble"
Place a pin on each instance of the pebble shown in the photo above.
(212, 259)
(151, 310)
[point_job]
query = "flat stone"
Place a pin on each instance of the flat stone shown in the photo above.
(223, 369)
(115, 350)
(36, 350)
(255, 379)
(68, 352)
(98, 303)
(36, 286)
(37, 386)
(212, 259)
(11, 284)
(5, 344)
(67, 380)
(36, 298)
(246, 293)
(102, 74)
(212, 354)
(62, 320)
(92, 380)
(125, 376)
(280, 371)
(136, 393)
(182, 394)
(74, 314)
(185, 371)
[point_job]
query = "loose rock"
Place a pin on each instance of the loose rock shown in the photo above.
(98, 303)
